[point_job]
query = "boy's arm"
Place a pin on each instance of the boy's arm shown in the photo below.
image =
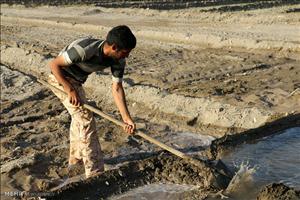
(119, 97)
(56, 65)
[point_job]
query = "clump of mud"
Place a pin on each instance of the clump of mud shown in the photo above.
(164, 168)
(192, 172)
(278, 191)
(169, 168)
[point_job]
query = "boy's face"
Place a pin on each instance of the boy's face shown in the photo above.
(118, 54)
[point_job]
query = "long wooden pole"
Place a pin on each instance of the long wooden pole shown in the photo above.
(138, 132)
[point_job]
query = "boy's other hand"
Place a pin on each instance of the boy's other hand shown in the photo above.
(129, 126)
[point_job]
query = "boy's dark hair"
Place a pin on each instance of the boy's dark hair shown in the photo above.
(122, 37)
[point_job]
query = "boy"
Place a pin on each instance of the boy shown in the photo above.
(70, 69)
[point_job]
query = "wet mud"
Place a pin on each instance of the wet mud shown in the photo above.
(278, 191)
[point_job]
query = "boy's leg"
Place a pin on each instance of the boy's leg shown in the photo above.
(91, 149)
(84, 142)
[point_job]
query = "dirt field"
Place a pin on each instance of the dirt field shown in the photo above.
(212, 71)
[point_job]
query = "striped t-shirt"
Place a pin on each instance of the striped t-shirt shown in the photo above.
(85, 56)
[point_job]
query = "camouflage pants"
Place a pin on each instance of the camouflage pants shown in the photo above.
(84, 144)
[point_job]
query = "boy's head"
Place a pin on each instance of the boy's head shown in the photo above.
(121, 40)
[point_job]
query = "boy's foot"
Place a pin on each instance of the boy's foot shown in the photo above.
(67, 181)
(75, 169)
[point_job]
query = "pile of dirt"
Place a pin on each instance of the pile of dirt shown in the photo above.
(278, 191)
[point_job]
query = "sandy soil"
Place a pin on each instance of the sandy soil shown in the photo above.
(194, 70)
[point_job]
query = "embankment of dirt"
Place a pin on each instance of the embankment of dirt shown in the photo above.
(163, 168)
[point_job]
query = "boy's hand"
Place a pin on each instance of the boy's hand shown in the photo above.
(74, 97)
(129, 126)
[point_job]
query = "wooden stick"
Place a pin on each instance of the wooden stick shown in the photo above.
(106, 116)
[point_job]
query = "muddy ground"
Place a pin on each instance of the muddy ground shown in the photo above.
(232, 75)
(278, 191)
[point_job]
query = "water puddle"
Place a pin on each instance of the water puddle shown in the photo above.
(156, 191)
(190, 143)
(186, 141)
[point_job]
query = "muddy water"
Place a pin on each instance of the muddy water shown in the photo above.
(272, 159)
